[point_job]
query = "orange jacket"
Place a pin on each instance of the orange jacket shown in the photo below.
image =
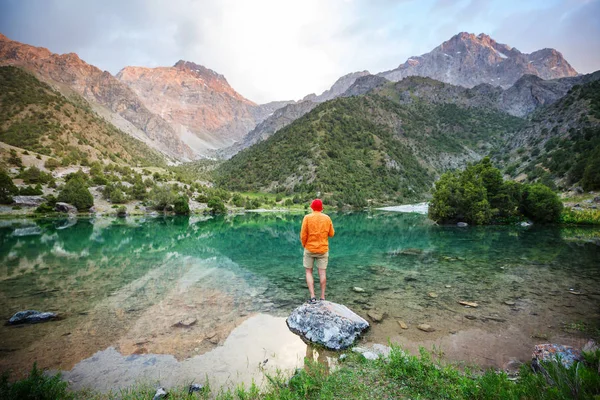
(316, 228)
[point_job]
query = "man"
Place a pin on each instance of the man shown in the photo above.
(316, 229)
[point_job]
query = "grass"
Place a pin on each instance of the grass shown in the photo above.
(584, 217)
(399, 376)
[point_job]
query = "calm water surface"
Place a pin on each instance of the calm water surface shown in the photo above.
(174, 298)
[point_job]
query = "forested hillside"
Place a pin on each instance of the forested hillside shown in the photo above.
(367, 148)
(35, 117)
(560, 143)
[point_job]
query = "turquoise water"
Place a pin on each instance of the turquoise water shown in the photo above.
(118, 282)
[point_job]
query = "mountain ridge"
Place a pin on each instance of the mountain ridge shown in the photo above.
(468, 60)
(96, 86)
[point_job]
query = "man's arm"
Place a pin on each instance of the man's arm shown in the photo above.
(304, 233)
(331, 230)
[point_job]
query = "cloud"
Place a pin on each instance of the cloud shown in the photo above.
(274, 50)
(570, 27)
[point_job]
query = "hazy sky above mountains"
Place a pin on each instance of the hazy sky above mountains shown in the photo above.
(280, 49)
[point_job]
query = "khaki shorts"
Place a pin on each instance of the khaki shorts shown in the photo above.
(310, 258)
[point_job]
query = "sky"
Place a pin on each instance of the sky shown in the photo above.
(285, 49)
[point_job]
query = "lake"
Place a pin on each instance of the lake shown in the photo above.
(176, 299)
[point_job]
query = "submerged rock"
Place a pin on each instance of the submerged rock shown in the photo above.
(375, 316)
(374, 352)
(31, 317)
(462, 224)
(554, 352)
(426, 328)
(329, 324)
(468, 303)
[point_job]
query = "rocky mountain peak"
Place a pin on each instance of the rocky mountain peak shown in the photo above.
(338, 88)
(468, 60)
(199, 70)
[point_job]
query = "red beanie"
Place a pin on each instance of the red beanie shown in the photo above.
(317, 205)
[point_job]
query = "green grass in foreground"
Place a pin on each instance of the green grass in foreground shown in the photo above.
(400, 376)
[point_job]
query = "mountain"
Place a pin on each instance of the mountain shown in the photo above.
(289, 113)
(560, 144)
(199, 103)
(468, 60)
(364, 84)
(35, 117)
(367, 147)
(69, 74)
(279, 119)
(526, 95)
(337, 89)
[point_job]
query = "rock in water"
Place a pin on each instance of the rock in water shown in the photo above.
(65, 208)
(161, 393)
(329, 324)
(553, 352)
(31, 317)
(195, 387)
(462, 224)
(375, 316)
(426, 328)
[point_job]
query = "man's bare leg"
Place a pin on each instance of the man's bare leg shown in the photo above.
(310, 281)
(322, 281)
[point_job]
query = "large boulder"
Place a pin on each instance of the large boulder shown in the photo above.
(28, 201)
(65, 208)
(554, 352)
(331, 325)
(31, 317)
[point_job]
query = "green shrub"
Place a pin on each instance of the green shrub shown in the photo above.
(99, 179)
(584, 217)
(181, 206)
(541, 204)
(216, 205)
(460, 197)
(35, 175)
(138, 191)
(591, 174)
(31, 191)
(122, 211)
(161, 197)
(7, 188)
(37, 386)
(75, 192)
(253, 204)
(117, 196)
(202, 198)
(52, 164)
(44, 208)
(478, 195)
(238, 200)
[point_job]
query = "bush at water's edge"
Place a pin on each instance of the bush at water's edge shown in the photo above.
(478, 195)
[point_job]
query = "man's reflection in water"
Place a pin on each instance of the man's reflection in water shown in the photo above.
(314, 353)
